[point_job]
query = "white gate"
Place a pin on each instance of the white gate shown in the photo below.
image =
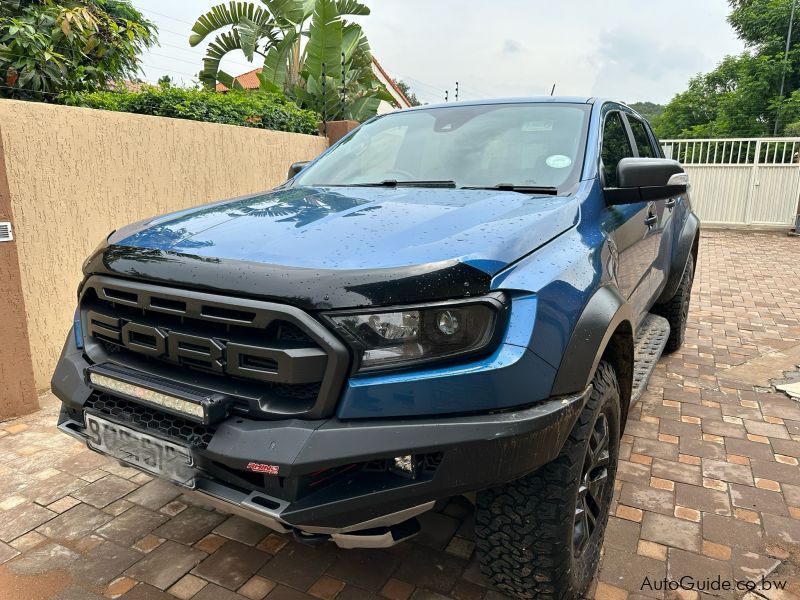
(744, 182)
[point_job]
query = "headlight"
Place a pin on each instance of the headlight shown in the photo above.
(403, 336)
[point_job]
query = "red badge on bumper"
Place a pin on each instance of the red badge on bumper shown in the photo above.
(262, 468)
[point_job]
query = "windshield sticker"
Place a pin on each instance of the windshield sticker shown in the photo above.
(558, 161)
(537, 126)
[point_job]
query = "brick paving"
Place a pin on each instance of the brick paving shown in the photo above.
(708, 484)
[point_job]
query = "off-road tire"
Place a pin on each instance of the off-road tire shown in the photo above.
(676, 309)
(525, 529)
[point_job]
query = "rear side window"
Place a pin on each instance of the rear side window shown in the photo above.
(616, 146)
(641, 138)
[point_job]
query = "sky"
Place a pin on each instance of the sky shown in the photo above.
(628, 50)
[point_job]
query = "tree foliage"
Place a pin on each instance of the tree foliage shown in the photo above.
(741, 97)
(262, 110)
(53, 46)
(306, 48)
(408, 92)
(649, 110)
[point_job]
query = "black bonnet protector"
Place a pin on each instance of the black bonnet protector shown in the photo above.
(308, 289)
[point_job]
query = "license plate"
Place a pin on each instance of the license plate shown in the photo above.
(159, 457)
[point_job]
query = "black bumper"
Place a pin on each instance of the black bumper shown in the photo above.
(335, 474)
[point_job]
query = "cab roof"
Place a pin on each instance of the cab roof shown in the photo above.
(523, 100)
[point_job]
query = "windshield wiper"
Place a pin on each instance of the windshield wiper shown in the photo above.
(510, 187)
(394, 183)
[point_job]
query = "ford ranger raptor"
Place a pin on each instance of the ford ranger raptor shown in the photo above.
(462, 299)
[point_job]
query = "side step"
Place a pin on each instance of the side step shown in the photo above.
(650, 342)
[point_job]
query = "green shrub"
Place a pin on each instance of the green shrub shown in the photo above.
(257, 109)
(792, 129)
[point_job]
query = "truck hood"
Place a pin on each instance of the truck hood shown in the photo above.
(351, 228)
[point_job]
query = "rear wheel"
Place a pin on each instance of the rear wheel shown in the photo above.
(676, 309)
(540, 536)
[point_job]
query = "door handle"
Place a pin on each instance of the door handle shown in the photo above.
(670, 204)
(651, 220)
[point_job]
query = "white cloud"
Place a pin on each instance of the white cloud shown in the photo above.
(631, 65)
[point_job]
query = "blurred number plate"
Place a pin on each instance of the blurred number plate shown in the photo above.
(159, 457)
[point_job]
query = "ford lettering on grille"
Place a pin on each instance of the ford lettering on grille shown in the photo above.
(210, 354)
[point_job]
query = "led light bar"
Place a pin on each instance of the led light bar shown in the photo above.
(172, 403)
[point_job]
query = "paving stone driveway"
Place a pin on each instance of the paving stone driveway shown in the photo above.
(708, 484)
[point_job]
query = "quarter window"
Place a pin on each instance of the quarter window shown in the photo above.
(616, 146)
(641, 138)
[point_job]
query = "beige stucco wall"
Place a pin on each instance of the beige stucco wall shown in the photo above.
(76, 174)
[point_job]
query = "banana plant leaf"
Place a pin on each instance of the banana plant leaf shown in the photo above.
(363, 108)
(352, 7)
(327, 99)
(332, 74)
(323, 53)
(231, 14)
(229, 81)
(223, 44)
(250, 33)
(354, 43)
(274, 72)
(290, 12)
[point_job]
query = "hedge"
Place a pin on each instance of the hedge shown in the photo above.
(246, 108)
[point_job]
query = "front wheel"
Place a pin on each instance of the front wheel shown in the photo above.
(540, 536)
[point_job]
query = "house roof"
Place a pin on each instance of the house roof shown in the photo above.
(394, 90)
(132, 86)
(249, 81)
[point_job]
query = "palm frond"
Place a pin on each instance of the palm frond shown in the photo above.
(274, 73)
(290, 12)
(352, 7)
(223, 44)
(225, 15)
(324, 48)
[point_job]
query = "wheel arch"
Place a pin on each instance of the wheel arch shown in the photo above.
(604, 331)
(688, 243)
(619, 353)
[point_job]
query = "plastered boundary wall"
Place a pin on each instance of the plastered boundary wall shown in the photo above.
(69, 176)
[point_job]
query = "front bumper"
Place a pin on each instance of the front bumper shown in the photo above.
(335, 477)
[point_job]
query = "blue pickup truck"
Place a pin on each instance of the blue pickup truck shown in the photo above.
(455, 299)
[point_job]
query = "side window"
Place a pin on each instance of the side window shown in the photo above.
(641, 138)
(654, 137)
(616, 146)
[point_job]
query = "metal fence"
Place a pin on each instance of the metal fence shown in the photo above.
(741, 181)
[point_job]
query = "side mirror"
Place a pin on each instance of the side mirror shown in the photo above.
(297, 167)
(646, 179)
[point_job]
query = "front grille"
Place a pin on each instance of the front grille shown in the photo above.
(150, 420)
(305, 392)
(270, 359)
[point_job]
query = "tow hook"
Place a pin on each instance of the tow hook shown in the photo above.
(312, 539)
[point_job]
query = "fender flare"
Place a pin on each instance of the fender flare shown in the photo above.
(602, 315)
(683, 247)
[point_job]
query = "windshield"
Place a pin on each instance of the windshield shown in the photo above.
(533, 145)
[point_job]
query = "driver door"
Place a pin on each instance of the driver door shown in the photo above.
(629, 225)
